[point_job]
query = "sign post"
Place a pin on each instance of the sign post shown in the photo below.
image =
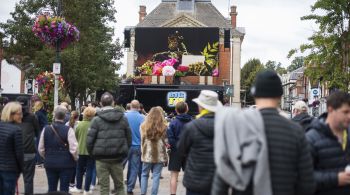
(56, 70)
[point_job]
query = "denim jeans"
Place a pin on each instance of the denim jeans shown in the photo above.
(87, 162)
(28, 175)
(38, 158)
(8, 180)
(134, 167)
(156, 172)
(94, 175)
(62, 175)
(113, 169)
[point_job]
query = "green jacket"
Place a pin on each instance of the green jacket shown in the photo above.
(81, 134)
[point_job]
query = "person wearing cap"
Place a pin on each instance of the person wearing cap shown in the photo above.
(30, 130)
(301, 116)
(196, 143)
(329, 139)
(288, 163)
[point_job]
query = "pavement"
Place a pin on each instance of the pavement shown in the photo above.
(40, 184)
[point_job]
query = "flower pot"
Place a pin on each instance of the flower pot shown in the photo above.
(169, 80)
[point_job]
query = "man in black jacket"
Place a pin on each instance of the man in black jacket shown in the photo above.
(330, 146)
(289, 159)
(108, 142)
(30, 130)
(196, 143)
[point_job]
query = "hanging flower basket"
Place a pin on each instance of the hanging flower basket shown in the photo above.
(45, 82)
(50, 29)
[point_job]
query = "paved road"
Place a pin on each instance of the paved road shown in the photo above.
(40, 184)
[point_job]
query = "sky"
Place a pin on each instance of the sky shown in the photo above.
(273, 27)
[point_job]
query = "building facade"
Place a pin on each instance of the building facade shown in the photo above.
(197, 22)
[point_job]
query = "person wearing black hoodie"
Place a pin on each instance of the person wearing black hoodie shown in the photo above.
(196, 144)
(330, 146)
(174, 131)
(30, 130)
(301, 116)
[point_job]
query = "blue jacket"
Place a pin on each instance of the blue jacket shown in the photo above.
(135, 119)
(56, 154)
(11, 148)
(42, 118)
(175, 128)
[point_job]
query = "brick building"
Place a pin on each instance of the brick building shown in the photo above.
(197, 20)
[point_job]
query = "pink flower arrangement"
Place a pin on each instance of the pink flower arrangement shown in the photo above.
(169, 62)
(183, 68)
(157, 69)
(216, 72)
(50, 29)
(168, 71)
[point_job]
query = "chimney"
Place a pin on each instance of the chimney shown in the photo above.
(142, 13)
(233, 15)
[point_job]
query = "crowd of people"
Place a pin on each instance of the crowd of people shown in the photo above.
(222, 150)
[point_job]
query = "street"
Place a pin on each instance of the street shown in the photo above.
(40, 183)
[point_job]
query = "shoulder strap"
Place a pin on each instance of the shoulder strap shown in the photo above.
(59, 137)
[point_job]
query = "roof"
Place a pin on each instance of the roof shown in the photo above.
(296, 74)
(204, 12)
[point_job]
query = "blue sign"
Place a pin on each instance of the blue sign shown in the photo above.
(175, 97)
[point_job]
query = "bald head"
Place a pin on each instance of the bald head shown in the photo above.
(135, 105)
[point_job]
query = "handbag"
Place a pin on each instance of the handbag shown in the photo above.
(59, 138)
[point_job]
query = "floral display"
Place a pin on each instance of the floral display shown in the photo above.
(45, 82)
(50, 29)
(169, 63)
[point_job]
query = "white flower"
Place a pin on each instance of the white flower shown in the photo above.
(168, 71)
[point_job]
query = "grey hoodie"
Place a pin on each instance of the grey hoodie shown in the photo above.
(241, 153)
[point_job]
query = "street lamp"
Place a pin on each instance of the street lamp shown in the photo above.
(1, 90)
(57, 64)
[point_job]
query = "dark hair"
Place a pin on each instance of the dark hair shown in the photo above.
(181, 107)
(337, 99)
(107, 99)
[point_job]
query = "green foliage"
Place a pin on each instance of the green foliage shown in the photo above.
(210, 52)
(329, 47)
(248, 74)
(296, 63)
(87, 65)
(277, 67)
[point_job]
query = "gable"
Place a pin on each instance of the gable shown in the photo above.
(183, 20)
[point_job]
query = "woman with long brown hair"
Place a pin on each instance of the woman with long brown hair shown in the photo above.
(153, 148)
(74, 119)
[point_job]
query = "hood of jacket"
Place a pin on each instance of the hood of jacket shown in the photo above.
(320, 125)
(301, 117)
(184, 117)
(110, 115)
(205, 124)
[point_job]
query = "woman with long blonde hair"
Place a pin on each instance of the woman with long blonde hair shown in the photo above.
(153, 148)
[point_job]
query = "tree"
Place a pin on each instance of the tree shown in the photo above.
(87, 65)
(248, 74)
(277, 67)
(329, 47)
(296, 63)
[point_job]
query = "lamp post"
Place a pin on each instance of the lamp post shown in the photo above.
(57, 64)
